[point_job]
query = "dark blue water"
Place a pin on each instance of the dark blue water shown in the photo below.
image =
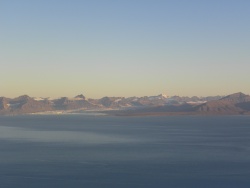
(125, 152)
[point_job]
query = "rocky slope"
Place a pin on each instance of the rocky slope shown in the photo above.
(237, 103)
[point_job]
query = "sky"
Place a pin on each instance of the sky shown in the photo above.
(124, 47)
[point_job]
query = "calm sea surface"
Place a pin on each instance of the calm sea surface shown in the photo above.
(125, 152)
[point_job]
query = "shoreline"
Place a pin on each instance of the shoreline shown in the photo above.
(116, 113)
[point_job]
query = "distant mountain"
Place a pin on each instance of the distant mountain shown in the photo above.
(237, 103)
(66, 103)
(22, 104)
(3, 103)
(81, 96)
(236, 98)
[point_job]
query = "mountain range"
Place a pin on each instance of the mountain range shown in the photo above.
(237, 103)
(234, 104)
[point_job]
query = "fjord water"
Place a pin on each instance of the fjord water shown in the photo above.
(142, 152)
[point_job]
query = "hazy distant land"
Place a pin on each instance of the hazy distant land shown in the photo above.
(234, 104)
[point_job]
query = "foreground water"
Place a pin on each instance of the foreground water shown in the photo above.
(125, 152)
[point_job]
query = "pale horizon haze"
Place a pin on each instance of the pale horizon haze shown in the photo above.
(55, 48)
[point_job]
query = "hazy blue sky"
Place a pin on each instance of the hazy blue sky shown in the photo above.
(124, 48)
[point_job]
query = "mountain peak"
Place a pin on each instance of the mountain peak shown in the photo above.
(80, 96)
(235, 95)
(23, 98)
(236, 98)
(163, 95)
